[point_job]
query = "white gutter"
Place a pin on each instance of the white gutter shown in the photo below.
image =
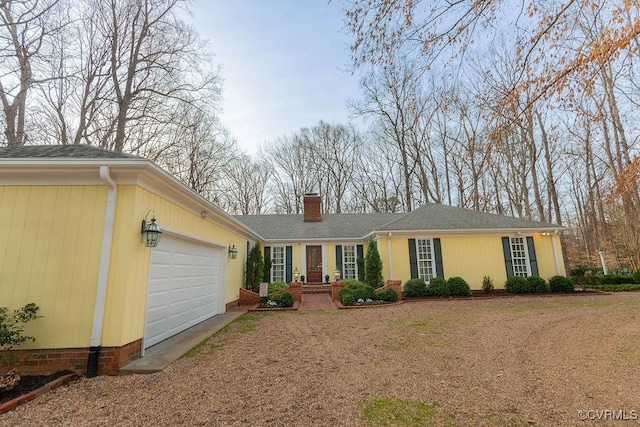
(105, 257)
(389, 256)
(555, 252)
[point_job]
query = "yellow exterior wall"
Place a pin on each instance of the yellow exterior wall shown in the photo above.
(50, 255)
(471, 257)
(127, 288)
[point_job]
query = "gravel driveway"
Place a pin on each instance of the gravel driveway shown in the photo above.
(502, 361)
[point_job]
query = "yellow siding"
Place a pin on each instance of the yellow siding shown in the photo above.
(471, 257)
(50, 255)
(127, 290)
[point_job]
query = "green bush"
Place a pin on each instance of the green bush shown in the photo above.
(353, 284)
(348, 299)
(516, 285)
(364, 293)
(612, 279)
(560, 284)
(438, 287)
(536, 284)
(458, 287)
(12, 325)
(373, 266)
(343, 292)
(286, 300)
(388, 295)
(277, 287)
(636, 276)
(487, 284)
(415, 288)
(619, 288)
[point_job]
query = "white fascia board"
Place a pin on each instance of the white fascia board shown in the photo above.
(141, 172)
(336, 240)
(497, 231)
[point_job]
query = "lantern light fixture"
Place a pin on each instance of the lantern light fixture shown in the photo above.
(233, 252)
(151, 232)
(336, 274)
(296, 275)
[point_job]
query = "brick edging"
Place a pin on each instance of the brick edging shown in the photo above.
(12, 404)
(258, 308)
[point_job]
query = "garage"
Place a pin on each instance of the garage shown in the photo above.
(185, 287)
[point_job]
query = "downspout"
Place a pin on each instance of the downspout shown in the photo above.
(555, 252)
(390, 257)
(103, 274)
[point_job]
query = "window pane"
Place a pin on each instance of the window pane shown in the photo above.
(349, 264)
(424, 253)
(519, 257)
(277, 264)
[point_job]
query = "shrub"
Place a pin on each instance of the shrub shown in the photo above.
(365, 293)
(438, 287)
(560, 284)
(277, 287)
(415, 288)
(343, 292)
(612, 279)
(458, 287)
(348, 299)
(487, 284)
(636, 276)
(254, 269)
(12, 325)
(286, 300)
(516, 285)
(619, 288)
(388, 295)
(353, 284)
(536, 284)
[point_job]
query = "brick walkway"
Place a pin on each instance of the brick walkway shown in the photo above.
(317, 302)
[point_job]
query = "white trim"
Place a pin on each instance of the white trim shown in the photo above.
(486, 231)
(105, 257)
(389, 256)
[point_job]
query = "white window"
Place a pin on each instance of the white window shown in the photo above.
(349, 264)
(277, 264)
(520, 257)
(426, 261)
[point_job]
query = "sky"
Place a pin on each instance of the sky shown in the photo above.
(284, 65)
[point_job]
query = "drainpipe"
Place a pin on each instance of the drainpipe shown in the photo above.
(555, 251)
(103, 274)
(390, 257)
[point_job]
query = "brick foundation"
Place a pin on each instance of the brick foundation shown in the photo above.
(48, 361)
(231, 305)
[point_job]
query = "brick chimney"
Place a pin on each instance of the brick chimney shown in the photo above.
(312, 207)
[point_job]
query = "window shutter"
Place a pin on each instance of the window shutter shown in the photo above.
(532, 256)
(508, 262)
(360, 251)
(267, 255)
(437, 252)
(288, 262)
(413, 259)
(339, 259)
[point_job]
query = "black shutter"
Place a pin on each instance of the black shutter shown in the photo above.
(360, 261)
(339, 259)
(413, 259)
(360, 251)
(266, 276)
(288, 261)
(508, 262)
(437, 251)
(532, 257)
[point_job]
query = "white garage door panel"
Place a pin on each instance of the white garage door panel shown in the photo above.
(184, 287)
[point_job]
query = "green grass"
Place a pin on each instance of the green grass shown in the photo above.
(398, 412)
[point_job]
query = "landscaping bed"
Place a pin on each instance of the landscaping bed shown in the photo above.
(31, 386)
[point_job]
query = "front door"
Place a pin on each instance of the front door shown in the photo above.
(314, 264)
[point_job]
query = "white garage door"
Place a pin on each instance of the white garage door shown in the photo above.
(185, 287)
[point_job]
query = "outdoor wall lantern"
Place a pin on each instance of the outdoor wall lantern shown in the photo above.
(336, 274)
(296, 275)
(151, 233)
(233, 252)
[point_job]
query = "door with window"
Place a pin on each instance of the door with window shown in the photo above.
(314, 264)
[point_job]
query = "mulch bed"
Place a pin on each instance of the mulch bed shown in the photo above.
(29, 383)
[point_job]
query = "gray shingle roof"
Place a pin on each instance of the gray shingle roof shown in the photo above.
(430, 217)
(293, 227)
(433, 216)
(62, 152)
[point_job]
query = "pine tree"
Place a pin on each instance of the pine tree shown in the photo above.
(373, 266)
